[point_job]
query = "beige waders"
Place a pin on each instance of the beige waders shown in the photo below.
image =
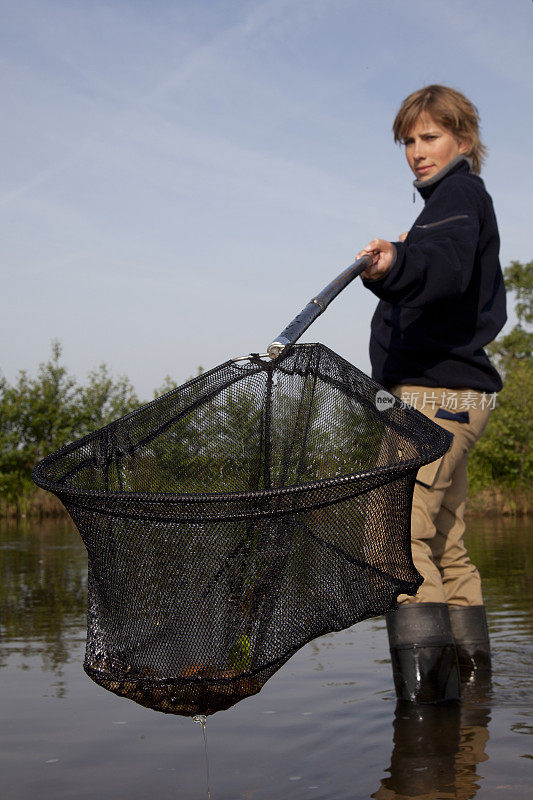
(437, 522)
(440, 635)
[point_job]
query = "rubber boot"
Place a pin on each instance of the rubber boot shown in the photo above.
(424, 659)
(471, 636)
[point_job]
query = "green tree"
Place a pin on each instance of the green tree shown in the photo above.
(36, 417)
(517, 345)
(503, 455)
(40, 414)
(103, 399)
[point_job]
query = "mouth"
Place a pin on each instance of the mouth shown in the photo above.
(423, 170)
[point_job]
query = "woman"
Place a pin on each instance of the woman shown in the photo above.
(442, 300)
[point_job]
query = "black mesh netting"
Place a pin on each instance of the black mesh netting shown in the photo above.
(237, 517)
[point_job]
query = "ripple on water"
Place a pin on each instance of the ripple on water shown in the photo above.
(325, 726)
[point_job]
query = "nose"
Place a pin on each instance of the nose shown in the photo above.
(419, 150)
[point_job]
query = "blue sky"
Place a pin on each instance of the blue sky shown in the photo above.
(180, 176)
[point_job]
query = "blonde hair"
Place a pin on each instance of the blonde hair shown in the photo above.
(450, 109)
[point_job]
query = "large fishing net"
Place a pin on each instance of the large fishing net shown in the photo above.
(232, 520)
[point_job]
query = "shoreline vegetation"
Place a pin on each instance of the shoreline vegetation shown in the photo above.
(40, 414)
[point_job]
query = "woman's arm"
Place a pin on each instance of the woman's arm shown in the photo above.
(438, 258)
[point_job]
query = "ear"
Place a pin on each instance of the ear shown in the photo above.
(464, 145)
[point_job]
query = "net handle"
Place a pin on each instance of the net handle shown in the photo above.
(317, 306)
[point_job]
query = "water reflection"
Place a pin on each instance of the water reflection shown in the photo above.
(334, 715)
(42, 594)
(437, 749)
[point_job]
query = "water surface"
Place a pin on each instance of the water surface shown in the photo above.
(326, 726)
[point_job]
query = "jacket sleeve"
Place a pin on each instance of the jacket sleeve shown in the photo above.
(437, 258)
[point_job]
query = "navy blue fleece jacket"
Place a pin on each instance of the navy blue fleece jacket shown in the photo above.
(443, 299)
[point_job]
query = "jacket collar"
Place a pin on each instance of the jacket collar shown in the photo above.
(458, 164)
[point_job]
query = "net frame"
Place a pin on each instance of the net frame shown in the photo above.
(283, 514)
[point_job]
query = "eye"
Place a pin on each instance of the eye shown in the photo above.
(407, 142)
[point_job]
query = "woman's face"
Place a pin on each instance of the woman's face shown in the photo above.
(429, 147)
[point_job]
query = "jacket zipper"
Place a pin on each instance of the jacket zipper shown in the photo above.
(442, 221)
